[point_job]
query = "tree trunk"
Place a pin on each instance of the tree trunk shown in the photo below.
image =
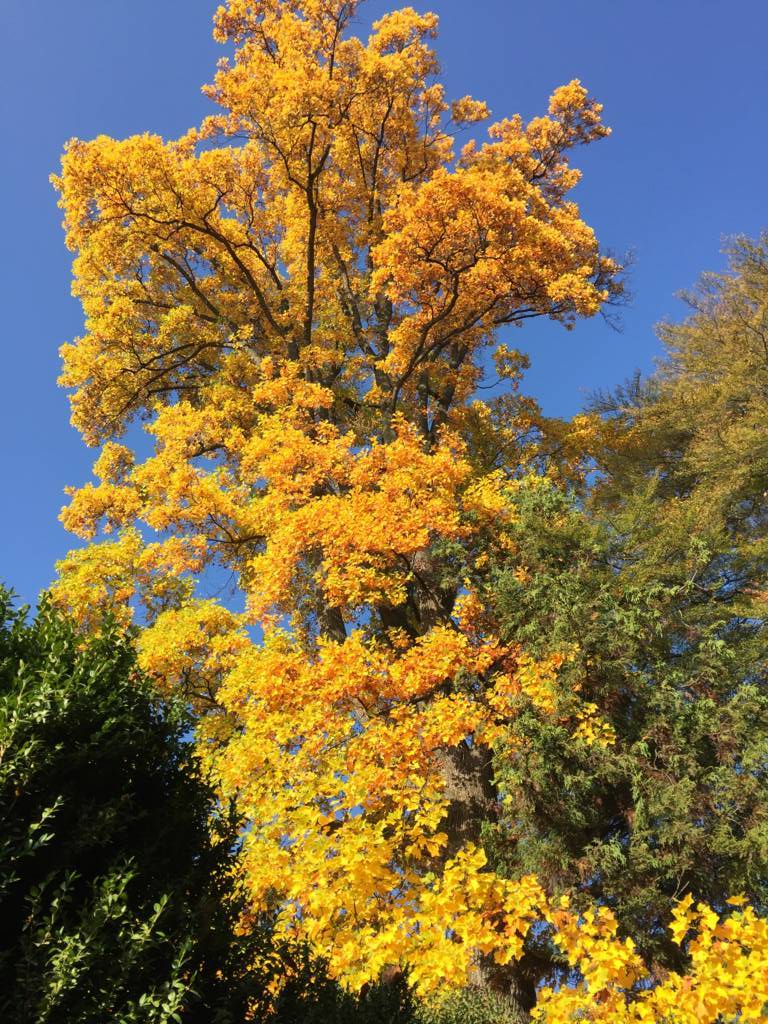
(471, 794)
(515, 983)
(472, 799)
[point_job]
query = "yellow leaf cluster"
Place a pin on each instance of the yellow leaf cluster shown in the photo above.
(727, 979)
(294, 298)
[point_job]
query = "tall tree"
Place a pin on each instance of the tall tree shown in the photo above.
(656, 585)
(297, 297)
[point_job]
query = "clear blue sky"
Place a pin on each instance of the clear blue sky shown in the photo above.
(685, 88)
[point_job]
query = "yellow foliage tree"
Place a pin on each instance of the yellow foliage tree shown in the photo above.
(296, 298)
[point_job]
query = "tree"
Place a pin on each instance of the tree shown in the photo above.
(656, 584)
(112, 889)
(668, 794)
(297, 297)
(694, 429)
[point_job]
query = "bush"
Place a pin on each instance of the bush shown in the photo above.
(112, 888)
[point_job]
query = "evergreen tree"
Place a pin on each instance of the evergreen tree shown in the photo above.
(656, 584)
(112, 889)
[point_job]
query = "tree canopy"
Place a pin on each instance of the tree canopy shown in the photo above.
(444, 619)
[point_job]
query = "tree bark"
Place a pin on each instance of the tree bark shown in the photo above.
(515, 982)
(471, 794)
(472, 797)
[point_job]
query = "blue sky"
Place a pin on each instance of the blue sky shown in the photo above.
(685, 88)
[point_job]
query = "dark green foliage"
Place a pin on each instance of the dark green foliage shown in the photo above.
(112, 889)
(657, 581)
(680, 802)
(309, 996)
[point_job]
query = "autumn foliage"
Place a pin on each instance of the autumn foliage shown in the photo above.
(297, 299)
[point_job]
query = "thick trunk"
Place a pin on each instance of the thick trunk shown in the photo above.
(471, 794)
(467, 770)
(472, 799)
(521, 991)
(433, 602)
(469, 788)
(515, 983)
